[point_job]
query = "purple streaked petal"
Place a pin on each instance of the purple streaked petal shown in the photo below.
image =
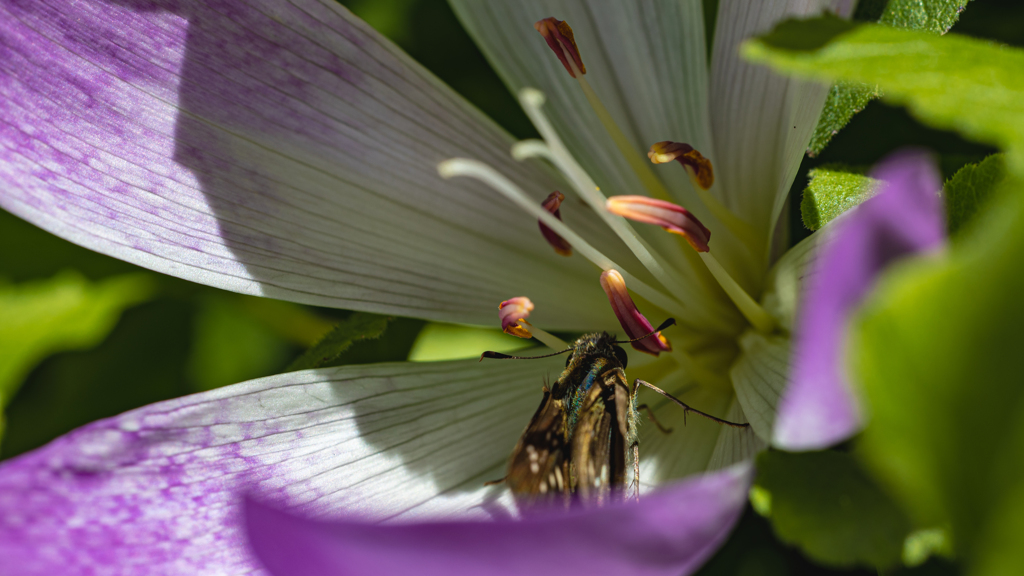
(906, 217)
(156, 490)
(669, 532)
(272, 148)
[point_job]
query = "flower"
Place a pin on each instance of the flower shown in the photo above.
(906, 217)
(287, 150)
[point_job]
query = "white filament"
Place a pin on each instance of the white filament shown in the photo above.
(491, 177)
(532, 100)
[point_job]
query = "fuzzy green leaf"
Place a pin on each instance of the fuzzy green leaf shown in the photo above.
(358, 326)
(832, 191)
(970, 188)
(825, 504)
(917, 69)
(845, 98)
(935, 16)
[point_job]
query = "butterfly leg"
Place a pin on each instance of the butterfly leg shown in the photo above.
(650, 416)
(686, 407)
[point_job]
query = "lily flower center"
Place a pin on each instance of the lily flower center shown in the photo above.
(673, 289)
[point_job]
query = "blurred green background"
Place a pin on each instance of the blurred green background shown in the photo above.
(84, 336)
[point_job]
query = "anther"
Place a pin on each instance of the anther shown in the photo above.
(551, 204)
(672, 217)
(697, 166)
(513, 314)
(632, 321)
(558, 35)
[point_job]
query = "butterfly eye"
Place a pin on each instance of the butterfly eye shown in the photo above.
(620, 355)
(568, 359)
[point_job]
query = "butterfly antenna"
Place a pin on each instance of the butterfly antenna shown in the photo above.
(665, 324)
(500, 356)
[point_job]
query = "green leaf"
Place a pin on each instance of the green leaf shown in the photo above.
(359, 326)
(923, 544)
(66, 312)
(970, 188)
(845, 98)
(229, 345)
(949, 82)
(832, 191)
(824, 503)
(935, 16)
(453, 342)
(937, 349)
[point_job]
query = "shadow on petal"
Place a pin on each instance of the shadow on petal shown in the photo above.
(276, 149)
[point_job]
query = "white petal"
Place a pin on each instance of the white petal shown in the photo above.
(759, 376)
(782, 286)
(735, 444)
(277, 149)
(762, 122)
(159, 484)
(689, 447)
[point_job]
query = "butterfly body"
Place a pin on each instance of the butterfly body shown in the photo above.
(575, 446)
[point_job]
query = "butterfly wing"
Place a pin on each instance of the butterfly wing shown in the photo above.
(539, 466)
(599, 440)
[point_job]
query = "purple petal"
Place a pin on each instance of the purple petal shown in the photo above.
(906, 217)
(272, 148)
(671, 532)
(156, 490)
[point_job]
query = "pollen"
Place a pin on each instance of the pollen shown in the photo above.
(558, 35)
(632, 321)
(551, 204)
(513, 314)
(671, 217)
(696, 165)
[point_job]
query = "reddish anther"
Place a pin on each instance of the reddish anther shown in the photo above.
(512, 313)
(672, 217)
(558, 35)
(551, 204)
(697, 166)
(632, 321)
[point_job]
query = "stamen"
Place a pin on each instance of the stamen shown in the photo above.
(558, 35)
(484, 173)
(553, 149)
(632, 321)
(532, 148)
(672, 217)
(551, 204)
(512, 313)
(703, 177)
(697, 166)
